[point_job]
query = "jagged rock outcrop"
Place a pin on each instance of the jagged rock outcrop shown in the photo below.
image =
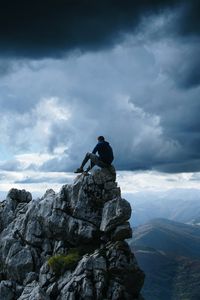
(88, 217)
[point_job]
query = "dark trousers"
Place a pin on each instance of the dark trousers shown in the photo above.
(94, 160)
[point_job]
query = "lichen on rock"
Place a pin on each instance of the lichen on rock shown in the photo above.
(37, 236)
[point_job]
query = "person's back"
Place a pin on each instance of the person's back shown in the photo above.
(105, 151)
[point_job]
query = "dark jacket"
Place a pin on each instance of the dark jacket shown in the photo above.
(105, 152)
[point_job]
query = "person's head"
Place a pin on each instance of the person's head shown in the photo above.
(100, 138)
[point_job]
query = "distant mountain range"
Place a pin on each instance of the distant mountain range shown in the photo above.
(169, 254)
(182, 205)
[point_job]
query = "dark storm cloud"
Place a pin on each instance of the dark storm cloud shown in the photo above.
(50, 28)
(180, 166)
(189, 20)
(184, 68)
(150, 85)
(178, 110)
(153, 125)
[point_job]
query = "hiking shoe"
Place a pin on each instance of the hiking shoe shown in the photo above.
(85, 173)
(79, 170)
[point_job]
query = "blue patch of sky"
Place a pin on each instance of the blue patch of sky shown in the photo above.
(5, 154)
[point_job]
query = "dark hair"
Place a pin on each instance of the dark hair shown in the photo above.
(100, 138)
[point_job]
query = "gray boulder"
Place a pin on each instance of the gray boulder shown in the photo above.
(33, 291)
(19, 262)
(6, 290)
(19, 195)
(86, 197)
(15, 201)
(115, 212)
(122, 232)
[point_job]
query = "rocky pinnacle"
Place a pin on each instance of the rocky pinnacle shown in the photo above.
(69, 245)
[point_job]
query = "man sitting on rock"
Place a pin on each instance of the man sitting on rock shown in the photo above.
(104, 159)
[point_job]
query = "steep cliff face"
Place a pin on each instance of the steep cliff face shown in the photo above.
(69, 245)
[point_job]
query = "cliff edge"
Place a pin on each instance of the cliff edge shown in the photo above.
(70, 245)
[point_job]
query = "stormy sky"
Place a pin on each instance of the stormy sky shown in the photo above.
(73, 70)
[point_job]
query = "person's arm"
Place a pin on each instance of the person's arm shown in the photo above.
(95, 149)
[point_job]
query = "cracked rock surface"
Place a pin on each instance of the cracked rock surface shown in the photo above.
(89, 215)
